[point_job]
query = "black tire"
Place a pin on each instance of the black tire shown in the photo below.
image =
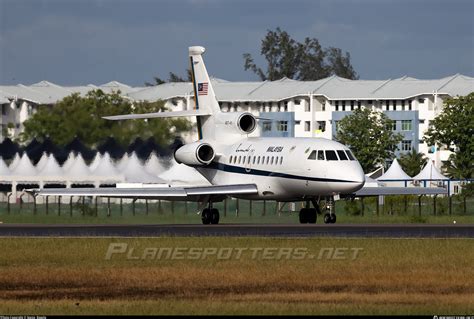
(312, 216)
(333, 218)
(327, 218)
(303, 216)
(214, 216)
(206, 216)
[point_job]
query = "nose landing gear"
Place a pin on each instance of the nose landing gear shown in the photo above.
(330, 218)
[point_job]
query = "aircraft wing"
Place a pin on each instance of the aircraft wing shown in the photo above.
(156, 115)
(374, 191)
(192, 193)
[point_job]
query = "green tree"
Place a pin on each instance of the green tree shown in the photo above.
(454, 129)
(304, 61)
(412, 162)
(82, 117)
(173, 77)
(368, 135)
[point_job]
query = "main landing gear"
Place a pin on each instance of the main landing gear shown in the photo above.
(309, 215)
(210, 215)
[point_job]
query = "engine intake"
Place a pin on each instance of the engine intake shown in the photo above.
(195, 154)
(247, 123)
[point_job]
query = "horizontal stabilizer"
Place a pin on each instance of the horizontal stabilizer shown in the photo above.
(156, 115)
(380, 191)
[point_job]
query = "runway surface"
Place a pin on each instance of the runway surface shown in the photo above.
(275, 230)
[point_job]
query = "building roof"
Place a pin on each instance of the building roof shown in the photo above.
(333, 88)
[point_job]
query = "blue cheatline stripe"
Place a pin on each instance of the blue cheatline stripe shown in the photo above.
(196, 99)
(257, 172)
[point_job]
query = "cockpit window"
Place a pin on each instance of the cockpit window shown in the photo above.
(321, 155)
(342, 155)
(349, 154)
(312, 156)
(331, 156)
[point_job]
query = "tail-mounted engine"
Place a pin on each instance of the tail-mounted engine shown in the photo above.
(195, 154)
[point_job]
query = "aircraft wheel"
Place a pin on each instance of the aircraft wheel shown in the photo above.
(214, 216)
(327, 218)
(333, 218)
(303, 216)
(312, 216)
(206, 216)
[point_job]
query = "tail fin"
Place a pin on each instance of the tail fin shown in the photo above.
(204, 96)
(206, 105)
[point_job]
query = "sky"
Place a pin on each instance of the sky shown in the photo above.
(77, 42)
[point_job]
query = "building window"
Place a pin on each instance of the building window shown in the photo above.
(359, 104)
(394, 103)
(4, 109)
(409, 105)
(307, 126)
(369, 102)
(421, 101)
(267, 126)
(307, 107)
(422, 121)
(406, 125)
(352, 105)
(282, 126)
(343, 106)
(387, 107)
(321, 125)
(406, 145)
(403, 105)
(392, 125)
(337, 106)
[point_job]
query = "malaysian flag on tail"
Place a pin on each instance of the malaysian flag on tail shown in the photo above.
(202, 88)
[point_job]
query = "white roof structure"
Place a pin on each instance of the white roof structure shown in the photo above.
(333, 87)
(430, 172)
(52, 169)
(4, 170)
(42, 162)
(78, 168)
(24, 167)
(153, 165)
(135, 172)
(96, 161)
(122, 163)
(395, 172)
(14, 163)
(180, 174)
(107, 170)
(70, 160)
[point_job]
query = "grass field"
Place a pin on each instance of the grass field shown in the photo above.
(347, 212)
(388, 276)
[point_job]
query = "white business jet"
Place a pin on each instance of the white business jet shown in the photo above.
(239, 166)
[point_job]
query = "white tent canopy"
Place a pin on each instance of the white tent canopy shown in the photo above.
(180, 174)
(14, 163)
(51, 168)
(154, 166)
(4, 170)
(42, 162)
(430, 172)
(135, 172)
(78, 168)
(394, 173)
(106, 170)
(24, 167)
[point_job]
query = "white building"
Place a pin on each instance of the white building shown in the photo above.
(298, 108)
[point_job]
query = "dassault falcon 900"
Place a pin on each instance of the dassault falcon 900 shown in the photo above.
(239, 166)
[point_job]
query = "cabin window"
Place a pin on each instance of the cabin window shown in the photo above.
(312, 156)
(349, 154)
(240, 159)
(321, 155)
(258, 160)
(281, 160)
(230, 159)
(342, 155)
(268, 159)
(254, 159)
(271, 162)
(331, 156)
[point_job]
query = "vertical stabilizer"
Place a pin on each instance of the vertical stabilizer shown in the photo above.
(204, 96)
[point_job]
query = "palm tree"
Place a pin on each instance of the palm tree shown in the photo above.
(412, 162)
